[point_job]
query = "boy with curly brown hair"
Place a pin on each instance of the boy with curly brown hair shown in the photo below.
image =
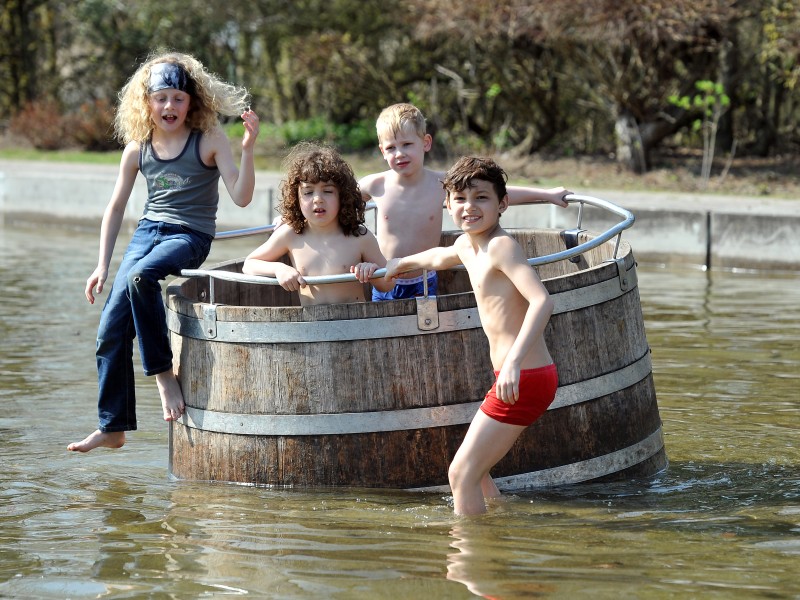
(324, 233)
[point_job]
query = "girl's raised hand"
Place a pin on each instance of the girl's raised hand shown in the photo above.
(250, 119)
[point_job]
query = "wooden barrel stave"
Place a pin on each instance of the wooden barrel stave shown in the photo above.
(303, 461)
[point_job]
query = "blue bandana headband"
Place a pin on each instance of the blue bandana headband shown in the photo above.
(170, 75)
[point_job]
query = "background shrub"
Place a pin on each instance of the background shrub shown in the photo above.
(41, 123)
(92, 126)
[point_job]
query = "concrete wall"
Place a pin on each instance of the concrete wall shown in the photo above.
(77, 195)
(698, 229)
(715, 231)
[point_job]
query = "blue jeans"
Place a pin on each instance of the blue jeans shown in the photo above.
(135, 308)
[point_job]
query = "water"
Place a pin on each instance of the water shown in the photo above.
(722, 522)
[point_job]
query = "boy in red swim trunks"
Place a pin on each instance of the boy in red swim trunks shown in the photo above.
(514, 307)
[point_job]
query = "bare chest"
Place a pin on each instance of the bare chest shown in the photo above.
(326, 258)
(410, 217)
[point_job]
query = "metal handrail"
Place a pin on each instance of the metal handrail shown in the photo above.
(614, 231)
(247, 231)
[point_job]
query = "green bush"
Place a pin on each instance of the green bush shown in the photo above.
(347, 137)
(355, 136)
(317, 129)
(350, 137)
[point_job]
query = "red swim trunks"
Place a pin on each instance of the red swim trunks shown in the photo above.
(537, 390)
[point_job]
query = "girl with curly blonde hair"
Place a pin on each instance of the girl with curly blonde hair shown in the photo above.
(168, 120)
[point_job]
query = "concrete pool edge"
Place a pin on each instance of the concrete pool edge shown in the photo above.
(733, 232)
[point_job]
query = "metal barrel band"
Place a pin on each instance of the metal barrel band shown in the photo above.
(577, 472)
(398, 420)
(427, 320)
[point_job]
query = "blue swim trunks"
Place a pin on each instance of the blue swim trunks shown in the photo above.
(408, 288)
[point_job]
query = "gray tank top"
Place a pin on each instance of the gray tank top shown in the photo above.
(181, 190)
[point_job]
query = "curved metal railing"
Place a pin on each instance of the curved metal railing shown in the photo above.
(237, 233)
(613, 231)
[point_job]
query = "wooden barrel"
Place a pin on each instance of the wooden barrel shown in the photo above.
(381, 394)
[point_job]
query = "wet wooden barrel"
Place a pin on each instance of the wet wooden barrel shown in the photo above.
(381, 394)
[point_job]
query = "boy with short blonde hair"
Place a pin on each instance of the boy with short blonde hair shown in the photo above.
(514, 308)
(393, 118)
(409, 196)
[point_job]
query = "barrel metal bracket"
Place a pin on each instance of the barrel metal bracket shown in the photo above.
(210, 320)
(570, 237)
(427, 313)
(626, 279)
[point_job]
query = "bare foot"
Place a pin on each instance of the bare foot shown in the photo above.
(99, 439)
(171, 396)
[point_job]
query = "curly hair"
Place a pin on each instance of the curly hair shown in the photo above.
(459, 177)
(311, 163)
(212, 97)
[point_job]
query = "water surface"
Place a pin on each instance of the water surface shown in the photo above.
(722, 522)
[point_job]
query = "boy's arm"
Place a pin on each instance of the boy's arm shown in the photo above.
(531, 195)
(240, 182)
(265, 260)
(508, 257)
(435, 259)
(370, 185)
(373, 260)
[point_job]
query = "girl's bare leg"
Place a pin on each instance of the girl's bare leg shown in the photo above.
(99, 439)
(171, 396)
(486, 442)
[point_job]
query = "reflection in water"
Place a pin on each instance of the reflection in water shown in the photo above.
(300, 544)
(482, 561)
(723, 521)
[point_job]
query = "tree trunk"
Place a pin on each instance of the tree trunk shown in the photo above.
(728, 70)
(630, 150)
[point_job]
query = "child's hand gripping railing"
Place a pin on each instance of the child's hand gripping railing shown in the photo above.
(427, 321)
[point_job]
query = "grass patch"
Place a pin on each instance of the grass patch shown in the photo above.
(769, 177)
(69, 156)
